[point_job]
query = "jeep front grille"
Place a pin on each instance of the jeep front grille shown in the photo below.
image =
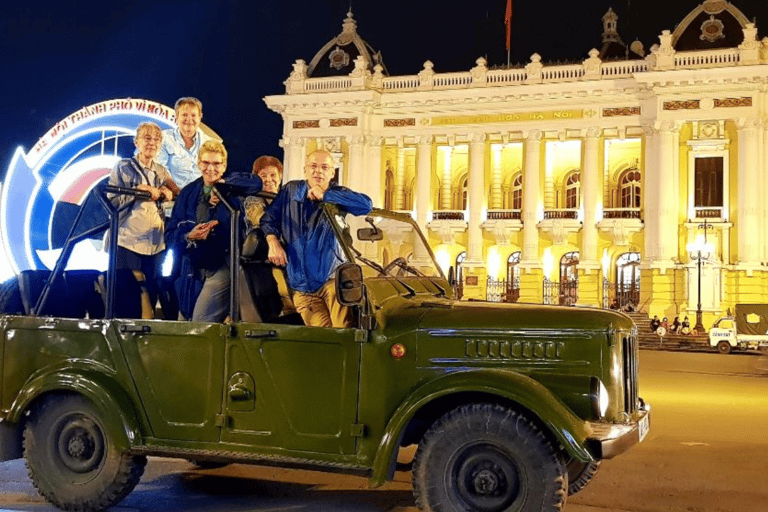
(630, 351)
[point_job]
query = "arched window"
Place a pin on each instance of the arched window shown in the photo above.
(464, 183)
(512, 292)
(629, 188)
(460, 273)
(569, 278)
(389, 190)
(628, 278)
(517, 192)
(572, 190)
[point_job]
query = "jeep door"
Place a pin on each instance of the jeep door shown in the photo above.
(292, 387)
(178, 368)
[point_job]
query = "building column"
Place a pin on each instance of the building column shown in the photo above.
(650, 199)
(355, 178)
(475, 272)
(532, 272)
(669, 138)
(423, 190)
(294, 158)
(496, 197)
(591, 198)
(748, 194)
(445, 195)
(657, 285)
(531, 198)
(476, 186)
(371, 184)
(590, 288)
(400, 176)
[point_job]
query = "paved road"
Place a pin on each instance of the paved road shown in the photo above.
(707, 452)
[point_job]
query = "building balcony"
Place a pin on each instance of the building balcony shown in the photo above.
(621, 213)
(560, 224)
(448, 224)
(503, 225)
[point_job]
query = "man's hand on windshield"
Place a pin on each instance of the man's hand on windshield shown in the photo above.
(276, 252)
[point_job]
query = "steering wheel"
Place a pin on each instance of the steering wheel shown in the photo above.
(397, 262)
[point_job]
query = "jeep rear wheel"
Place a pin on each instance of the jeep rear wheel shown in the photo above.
(724, 347)
(72, 459)
(487, 458)
(10, 298)
(580, 474)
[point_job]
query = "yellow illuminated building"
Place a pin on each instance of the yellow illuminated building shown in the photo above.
(639, 179)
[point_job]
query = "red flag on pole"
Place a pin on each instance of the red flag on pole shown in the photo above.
(508, 22)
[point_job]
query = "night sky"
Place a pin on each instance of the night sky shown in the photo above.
(57, 57)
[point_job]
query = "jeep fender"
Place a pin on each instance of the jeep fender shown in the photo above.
(104, 392)
(570, 430)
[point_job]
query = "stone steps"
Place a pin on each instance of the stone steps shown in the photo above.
(650, 340)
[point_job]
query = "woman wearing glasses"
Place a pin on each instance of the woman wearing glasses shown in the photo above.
(140, 244)
(199, 231)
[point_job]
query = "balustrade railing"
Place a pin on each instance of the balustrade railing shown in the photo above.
(503, 215)
(566, 213)
(621, 213)
(448, 215)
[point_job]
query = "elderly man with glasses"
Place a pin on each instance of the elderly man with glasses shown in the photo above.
(311, 252)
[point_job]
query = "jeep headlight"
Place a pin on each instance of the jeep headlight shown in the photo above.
(600, 398)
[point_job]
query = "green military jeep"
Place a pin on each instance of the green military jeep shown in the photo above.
(512, 406)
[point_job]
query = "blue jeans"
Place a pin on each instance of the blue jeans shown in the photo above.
(212, 305)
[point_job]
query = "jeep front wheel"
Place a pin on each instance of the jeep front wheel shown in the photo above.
(580, 474)
(487, 458)
(72, 459)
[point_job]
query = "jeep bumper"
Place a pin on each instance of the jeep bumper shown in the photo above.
(611, 439)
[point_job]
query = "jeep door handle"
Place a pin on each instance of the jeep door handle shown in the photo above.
(260, 334)
(142, 329)
(239, 393)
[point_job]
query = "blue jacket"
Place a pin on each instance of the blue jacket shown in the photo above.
(213, 252)
(311, 247)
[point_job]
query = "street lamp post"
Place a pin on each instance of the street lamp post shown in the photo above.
(699, 251)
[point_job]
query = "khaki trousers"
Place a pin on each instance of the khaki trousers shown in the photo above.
(322, 309)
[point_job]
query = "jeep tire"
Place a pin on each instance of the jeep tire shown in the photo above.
(724, 347)
(72, 459)
(487, 458)
(10, 298)
(580, 474)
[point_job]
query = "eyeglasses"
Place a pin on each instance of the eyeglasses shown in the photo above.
(324, 167)
(149, 139)
(216, 165)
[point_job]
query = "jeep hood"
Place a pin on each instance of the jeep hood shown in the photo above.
(488, 316)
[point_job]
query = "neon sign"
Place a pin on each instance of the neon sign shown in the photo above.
(44, 188)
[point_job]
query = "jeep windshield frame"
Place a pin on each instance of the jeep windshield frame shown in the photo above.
(377, 256)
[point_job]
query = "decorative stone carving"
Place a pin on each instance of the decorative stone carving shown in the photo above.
(733, 102)
(560, 229)
(620, 230)
(682, 105)
(377, 79)
(447, 230)
(712, 30)
(479, 72)
(592, 65)
(533, 69)
(311, 123)
(665, 53)
(344, 121)
(426, 75)
(749, 49)
(502, 230)
(621, 111)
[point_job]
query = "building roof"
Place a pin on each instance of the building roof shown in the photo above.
(713, 24)
(337, 57)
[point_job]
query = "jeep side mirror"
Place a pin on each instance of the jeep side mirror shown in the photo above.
(349, 284)
(370, 234)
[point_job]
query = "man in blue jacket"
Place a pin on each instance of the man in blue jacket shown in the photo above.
(312, 253)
